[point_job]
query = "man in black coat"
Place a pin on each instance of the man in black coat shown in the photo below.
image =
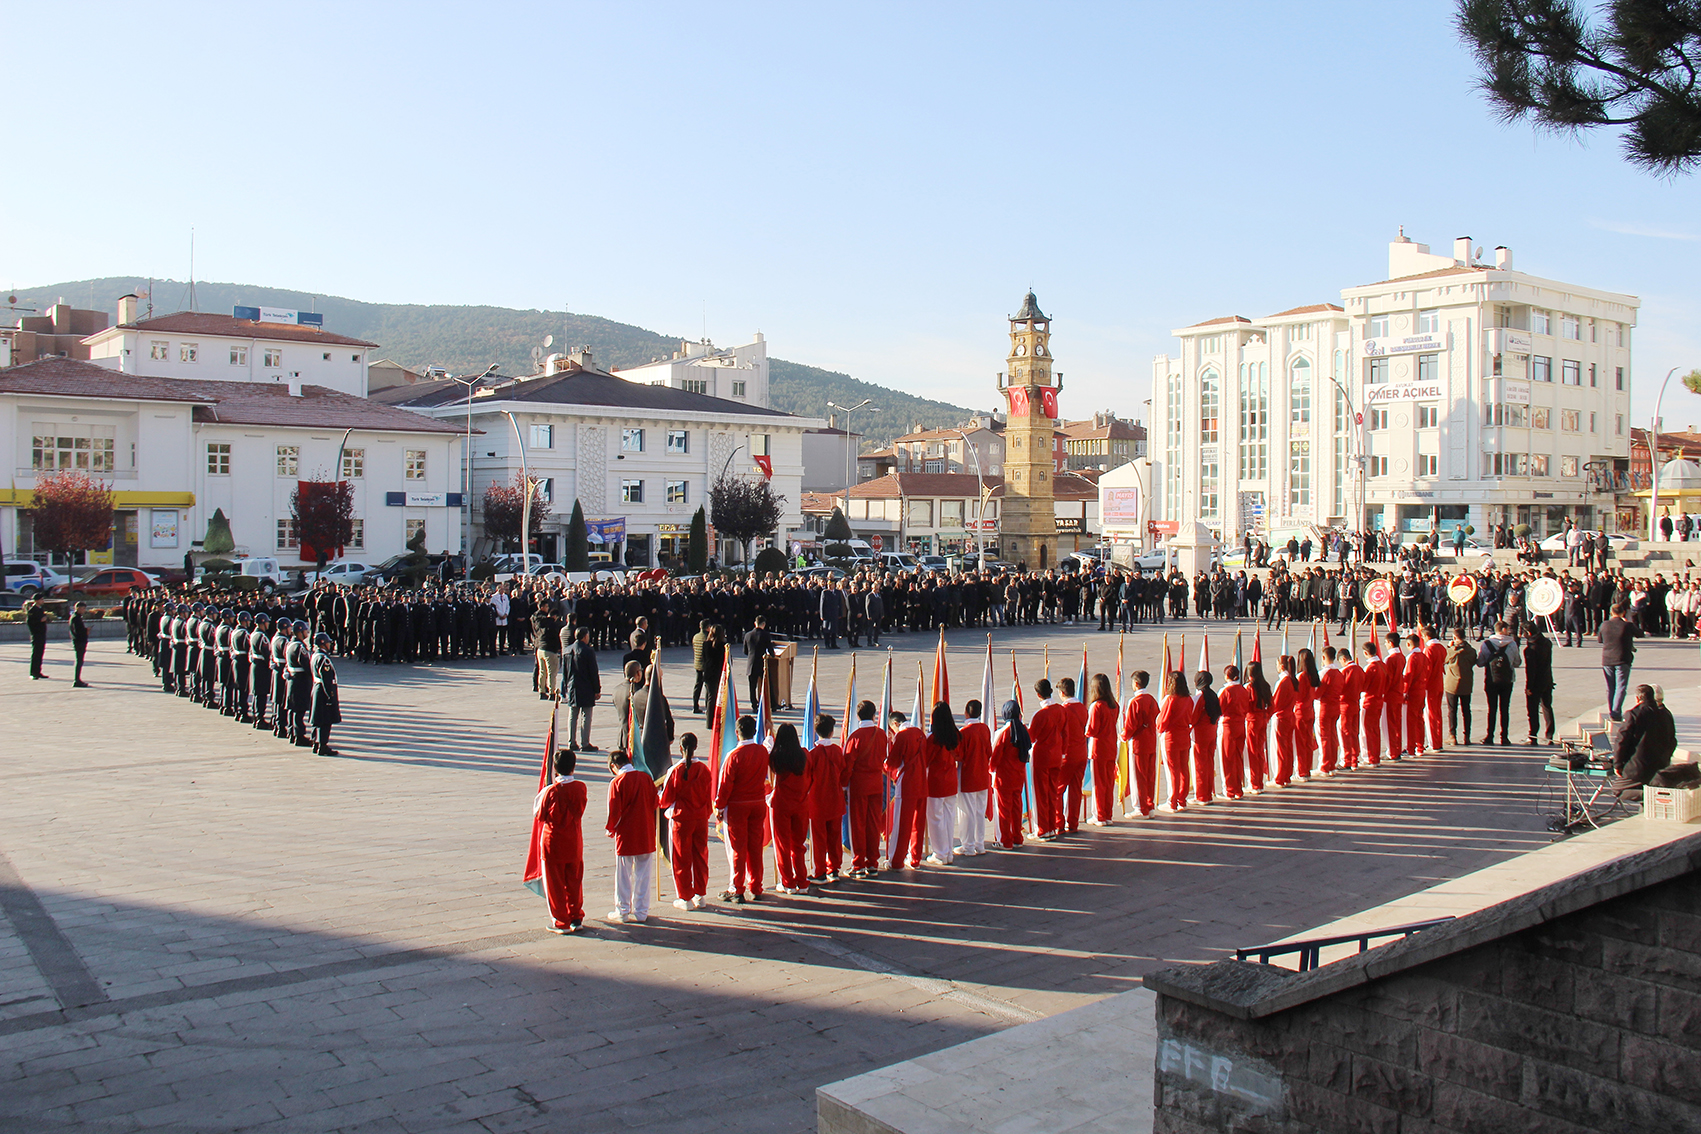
(832, 613)
(582, 684)
(1538, 680)
(1645, 743)
(35, 615)
(758, 644)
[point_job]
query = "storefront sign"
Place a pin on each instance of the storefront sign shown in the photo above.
(1517, 393)
(422, 499)
(606, 531)
(1408, 344)
(1403, 392)
(162, 527)
(1515, 342)
(1068, 523)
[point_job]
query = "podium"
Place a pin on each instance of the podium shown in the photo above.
(781, 665)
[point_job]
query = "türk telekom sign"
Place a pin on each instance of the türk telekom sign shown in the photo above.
(1403, 392)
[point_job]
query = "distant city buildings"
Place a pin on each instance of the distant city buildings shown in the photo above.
(737, 374)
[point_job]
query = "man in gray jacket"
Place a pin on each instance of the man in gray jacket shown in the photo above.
(583, 685)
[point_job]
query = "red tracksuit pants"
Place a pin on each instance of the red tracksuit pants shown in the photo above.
(1204, 764)
(564, 888)
(1372, 718)
(1144, 763)
(1234, 752)
(1435, 720)
(1070, 795)
(1284, 750)
(1257, 751)
(1349, 735)
(1048, 793)
(1104, 786)
(867, 826)
(791, 836)
(1414, 724)
(1395, 716)
(1177, 745)
(744, 832)
(909, 822)
(1007, 796)
(1328, 728)
(690, 842)
(1304, 745)
(827, 845)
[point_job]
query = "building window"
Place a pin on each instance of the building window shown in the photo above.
(273, 357)
(1429, 367)
(1340, 486)
(157, 350)
(1571, 421)
(218, 458)
(1299, 394)
(1427, 464)
(90, 448)
(546, 488)
(1497, 366)
(1593, 427)
(1593, 381)
(1210, 405)
(1541, 417)
(1428, 417)
(1376, 466)
(412, 529)
(543, 436)
(414, 464)
(1539, 464)
(1429, 321)
(1376, 327)
(1539, 322)
(1571, 327)
(1299, 331)
(1541, 369)
(759, 445)
(632, 440)
(738, 387)
(1173, 402)
(1254, 421)
(286, 533)
(1210, 344)
(354, 464)
(694, 385)
(1594, 331)
(239, 356)
(632, 491)
(1570, 373)
(1299, 474)
(1568, 466)
(1376, 371)
(357, 535)
(1620, 327)
(676, 492)
(289, 460)
(679, 440)
(1618, 377)
(1209, 488)
(921, 513)
(327, 356)
(1377, 419)
(1618, 424)
(188, 352)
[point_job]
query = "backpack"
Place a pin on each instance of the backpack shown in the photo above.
(1499, 671)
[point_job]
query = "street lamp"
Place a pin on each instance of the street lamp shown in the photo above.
(850, 457)
(727, 465)
(1358, 508)
(466, 471)
(525, 501)
(980, 517)
(1654, 461)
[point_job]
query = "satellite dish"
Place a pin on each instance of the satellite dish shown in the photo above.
(1478, 256)
(549, 340)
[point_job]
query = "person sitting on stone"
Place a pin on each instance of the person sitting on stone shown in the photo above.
(1645, 743)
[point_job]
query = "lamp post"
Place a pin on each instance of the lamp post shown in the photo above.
(466, 472)
(850, 457)
(1654, 461)
(725, 466)
(525, 501)
(1358, 459)
(980, 516)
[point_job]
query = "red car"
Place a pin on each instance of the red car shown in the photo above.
(115, 582)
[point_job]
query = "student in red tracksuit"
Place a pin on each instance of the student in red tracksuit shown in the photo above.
(788, 809)
(1370, 713)
(1330, 684)
(865, 764)
(1207, 713)
(1415, 691)
(1235, 701)
(1436, 654)
(1075, 756)
(632, 826)
(1101, 747)
(1352, 688)
(1394, 696)
(974, 780)
(1049, 732)
(1283, 698)
(1140, 730)
(1306, 680)
(1175, 731)
(687, 790)
(906, 766)
(741, 801)
(829, 776)
(1011, 749)
(1258, 726)
(560, 808)
(943, 739)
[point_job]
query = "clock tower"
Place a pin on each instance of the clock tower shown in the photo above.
(1027, 525)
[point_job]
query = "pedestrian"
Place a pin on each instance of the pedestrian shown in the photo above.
(1011, 749)
(548, 632)
(865, 768)
(326, 707)
(1075, 755)
(1102, 713)
(1538, 680)
(1618, 651)
(1645, 744)
(583, 686)
(1498, 658)
(1207, 712)
(943, 785)
(626, 710)
(1458, 680)
(788, 809)
(1175, 726)
(906, 766)
(758, 645)
(829, 781)
(1283, 699)
(974, 780)
(35, 616)
(741, 804)
(298, 665)
(699, 654)
(560, 808)
(688, 796)
(79, 643)
(1048, 732)
(632, 826)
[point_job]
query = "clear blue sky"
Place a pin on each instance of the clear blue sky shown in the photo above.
(871, 185)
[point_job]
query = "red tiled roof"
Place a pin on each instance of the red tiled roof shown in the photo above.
(1455, 270)
(1089, 430)
(229, 403)
(1223, 319)
(206, 323)
(878, 454)
(1306, 310)
(820, 502)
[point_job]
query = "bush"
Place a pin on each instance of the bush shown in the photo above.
(769, 561)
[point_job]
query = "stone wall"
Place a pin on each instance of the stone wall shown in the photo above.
(1585, 1021)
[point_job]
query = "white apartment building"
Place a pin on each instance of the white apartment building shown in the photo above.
(273, 346)
(1453, 391)
(638, 457)
(173, 451)
(737, 374)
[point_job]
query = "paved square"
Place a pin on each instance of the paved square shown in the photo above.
(207, 929)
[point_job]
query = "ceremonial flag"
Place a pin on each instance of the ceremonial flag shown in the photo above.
(1181, 654)
(1286, 652)
(1257, 654)
(650, 739)
(1015, 682)
(1311, 643)
(988, 715)
(1167, 666)
(1237, 666)
(1047, 673)
(1124, 772)
(918, 716)
(1205, 653)
(941, 676)
(1355, 635)
(764, 719)
(844, 737)
(1081, 696)
(724, 737)
(532, 876)
(1325, 622)
(811, 704)
(886, 692)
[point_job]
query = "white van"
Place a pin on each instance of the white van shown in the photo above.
(899, 562)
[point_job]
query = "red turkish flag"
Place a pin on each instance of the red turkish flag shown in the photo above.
(1018, 401)
(1048, 400)
(766, 464)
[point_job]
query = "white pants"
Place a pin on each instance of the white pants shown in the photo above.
(634, 879)
(941, 821)
(971, 821)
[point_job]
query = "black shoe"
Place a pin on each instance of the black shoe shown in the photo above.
(79, 685)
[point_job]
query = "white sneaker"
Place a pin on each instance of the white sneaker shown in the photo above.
(616, 915)
(697, 902)
(682, 904)
(935, 860)
(643, 917)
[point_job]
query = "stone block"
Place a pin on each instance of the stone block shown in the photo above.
(1665, 1070)
(1681, 929)
(1623, 919)
(1393, 1088)
(1526, 1030)
(1531, 978)
(1615, 1001)
(1595, 1101)
(1338, 1113)
(1420, 999)
(1563, 941)
(1652, 963)
(1474, 1066)
(1462, 1110)
(1387, 1038)
(1328, 1066)
(1679, 1015)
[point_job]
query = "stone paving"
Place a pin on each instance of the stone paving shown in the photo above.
(205, 929)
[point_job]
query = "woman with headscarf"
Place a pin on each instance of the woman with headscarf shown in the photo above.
(1101, 746)
(1175, 727)
(1257, 726)
(1207, 711)
(788, 807)
(942, 785)
(1306, 682)
(1010, 751)
(1283, 698)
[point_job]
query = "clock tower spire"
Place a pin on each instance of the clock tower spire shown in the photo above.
(1027, 523)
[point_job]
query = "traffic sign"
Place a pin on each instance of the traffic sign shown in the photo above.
(877, 543)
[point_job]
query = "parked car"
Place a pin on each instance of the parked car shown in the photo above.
(12, 600)
(105, 582)
(1556, 542)
(28, 577)
(933, 563)
(345, 571)
(899, 562)
(820, 571)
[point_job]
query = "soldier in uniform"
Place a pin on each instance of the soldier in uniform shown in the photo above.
(326, 707)
(298, 669)
(280, 677)
(239, 662)
(260, 666)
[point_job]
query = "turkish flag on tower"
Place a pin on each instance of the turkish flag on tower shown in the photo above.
(766, 464)
(1048, 400)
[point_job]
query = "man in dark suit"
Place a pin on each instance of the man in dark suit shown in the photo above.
(1618, 650)
(36, 616)
(758, 644)
(832, 613)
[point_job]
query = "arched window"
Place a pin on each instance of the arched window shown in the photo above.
(1210, 406)
(1299, 393)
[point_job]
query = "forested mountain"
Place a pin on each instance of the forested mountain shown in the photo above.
(467, 339)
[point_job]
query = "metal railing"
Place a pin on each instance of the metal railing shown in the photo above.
(1311, 949)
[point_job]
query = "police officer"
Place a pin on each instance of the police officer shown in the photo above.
(326, 706)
